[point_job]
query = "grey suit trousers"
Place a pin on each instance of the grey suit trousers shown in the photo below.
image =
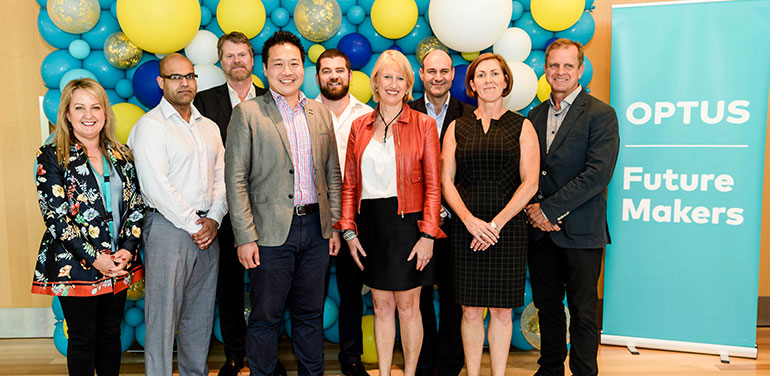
(180, 289)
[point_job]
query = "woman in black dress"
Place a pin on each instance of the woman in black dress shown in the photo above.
(490, 164)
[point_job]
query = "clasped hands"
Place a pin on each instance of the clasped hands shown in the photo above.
(485, 234)
(113, 265)
(206, 234)
(538, 220)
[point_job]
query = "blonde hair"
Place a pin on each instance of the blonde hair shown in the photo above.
(399, 60)
(65, 137)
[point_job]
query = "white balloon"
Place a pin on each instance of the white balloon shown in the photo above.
(514, 45)
(524, 86)
(203, 48)
(469, 26)
(209, 75)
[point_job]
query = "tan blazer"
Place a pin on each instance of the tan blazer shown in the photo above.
(259, 172)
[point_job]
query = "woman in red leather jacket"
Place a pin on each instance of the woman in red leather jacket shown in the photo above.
(391, 198)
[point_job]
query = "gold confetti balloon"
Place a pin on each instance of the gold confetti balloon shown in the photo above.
(121, 52)
(426, 45)
(74, 16)
(317, 20)
(136, 291)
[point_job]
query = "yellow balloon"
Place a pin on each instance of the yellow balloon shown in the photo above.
(543, 89)
(370, 347)
(126, 115)
(159, 26)
(469, 56)
(557, 15)
(257, 81)
(394, 19)
(66, 329)
(315, 51)
(246, 16)
(359, 87)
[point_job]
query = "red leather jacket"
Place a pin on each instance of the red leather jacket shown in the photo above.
(418, 169)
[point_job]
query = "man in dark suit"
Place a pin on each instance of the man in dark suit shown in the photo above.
(442, 349)
(579, 140)
(236, 55)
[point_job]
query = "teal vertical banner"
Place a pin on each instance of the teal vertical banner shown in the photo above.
(689, 83)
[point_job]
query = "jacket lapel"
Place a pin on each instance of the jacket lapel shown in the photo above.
(280, 127)
(540, 122)
(575, 110)
(315, 140)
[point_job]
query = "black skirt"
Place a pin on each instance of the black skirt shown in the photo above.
(388, 239)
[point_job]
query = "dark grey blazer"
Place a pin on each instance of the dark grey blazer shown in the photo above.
(259, 172)
(574, 174)
(455, 110)
(215, 104)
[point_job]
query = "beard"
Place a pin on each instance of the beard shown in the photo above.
(335, 93)
(238, 74)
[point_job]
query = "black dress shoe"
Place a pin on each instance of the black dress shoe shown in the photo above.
(279, 370)
(355, 369)
(230, 368)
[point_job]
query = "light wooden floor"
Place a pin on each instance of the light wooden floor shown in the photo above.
(39, 357)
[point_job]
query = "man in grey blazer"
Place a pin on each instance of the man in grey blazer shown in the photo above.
(283, 183)
(579, 140)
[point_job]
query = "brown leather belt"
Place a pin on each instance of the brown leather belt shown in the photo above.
(301, 210)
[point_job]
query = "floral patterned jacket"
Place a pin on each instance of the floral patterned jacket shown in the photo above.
(77, 230)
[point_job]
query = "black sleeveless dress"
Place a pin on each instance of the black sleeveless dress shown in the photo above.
(486, 177)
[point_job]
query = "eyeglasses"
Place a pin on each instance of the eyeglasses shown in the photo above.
(179, 77)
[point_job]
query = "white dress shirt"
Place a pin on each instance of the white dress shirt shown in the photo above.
(180, 165)
(235, 100)
(353, 111)
(378, 170)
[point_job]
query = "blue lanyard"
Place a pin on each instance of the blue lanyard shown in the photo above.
(104, 181)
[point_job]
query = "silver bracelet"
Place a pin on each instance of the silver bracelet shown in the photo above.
(493, 225)
(349, 235)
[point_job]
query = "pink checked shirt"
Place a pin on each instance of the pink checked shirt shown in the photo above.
(301, 150)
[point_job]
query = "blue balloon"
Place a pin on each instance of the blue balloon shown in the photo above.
(346, 27)
(106, 74)
(56, 307)
(331, 312)
(280, 17)
(269, 5)
(106, 26)
(582, 31)
(75, 74)
(139, 333)
(396, 48)
(51, 101)
(588, 72)
(356, 14)
(332, 334)
(145, 58)
(79, 49)
(206, 16)
(134, 317)
(357, 48)
(126, 336)
(124, 88)
(548, 43)
(367, 5)
(517, 337)
(213, 27)
(211, 4)
(289, 5)
(416, 71)
(145, 84)
(422, 6)
(458, 85)
(59, 338)
(518, 10)
(51, 34)
(420, 31)
(309, 84)
(260, 39)
(378, 42)
(346, 4)
(537, 34)
(55, 65)
(536, 61)
(525, 111)
(333, 292)
(218, 330)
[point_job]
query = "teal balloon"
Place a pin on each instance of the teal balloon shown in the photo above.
(139, 303)
(51, 33)
(113, 97)
(518, 10)
(124, 88)
(589, 4)
(126, 336)
(458, 59)
(525, 111)
(537, 34)
(75, 74)
(289, 5)
(56, 307)
(536, 61)
(206, 16)
(269, 5)
(422, 6)
(420, 31)
(379, 43)
(213, 27)
(280, 17)
(332, 334)
(129, 305)
(55, 65)
(105, 4)
(526, 4)
(139, 334)
(79, 49)
(582, 31)
(136, 101)
(145, 58)
(346, 27)
(211, 4)
(59, 339)
(134, 317)
(416, 70)
(367, 5)
(588, 72)
(260, 39)
(306, 44)
(333, 292)
(356, 14)
(369, 67)
(331, 312)
(106, 74)
(42, 3)
(101, 31)
(218, 330)
(367, 300)
(287, 327)
(51, 101)
(114, 9)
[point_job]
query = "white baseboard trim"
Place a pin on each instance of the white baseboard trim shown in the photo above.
(26, 322)
(693, 347)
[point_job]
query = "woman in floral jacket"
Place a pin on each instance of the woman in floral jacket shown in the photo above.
(93, 211)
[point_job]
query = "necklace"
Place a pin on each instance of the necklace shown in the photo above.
(387, 123)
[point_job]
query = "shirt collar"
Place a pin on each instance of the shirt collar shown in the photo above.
(354, 102)
(428, 104)
(168, 111)
(281, 100)
(234, 95)
(568, 100)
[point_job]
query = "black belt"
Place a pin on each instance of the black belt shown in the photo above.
(305, 209)
(199, 213)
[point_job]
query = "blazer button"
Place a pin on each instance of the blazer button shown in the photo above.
(291, 195)
(539, 197)
(544, 173)
(291, 171)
